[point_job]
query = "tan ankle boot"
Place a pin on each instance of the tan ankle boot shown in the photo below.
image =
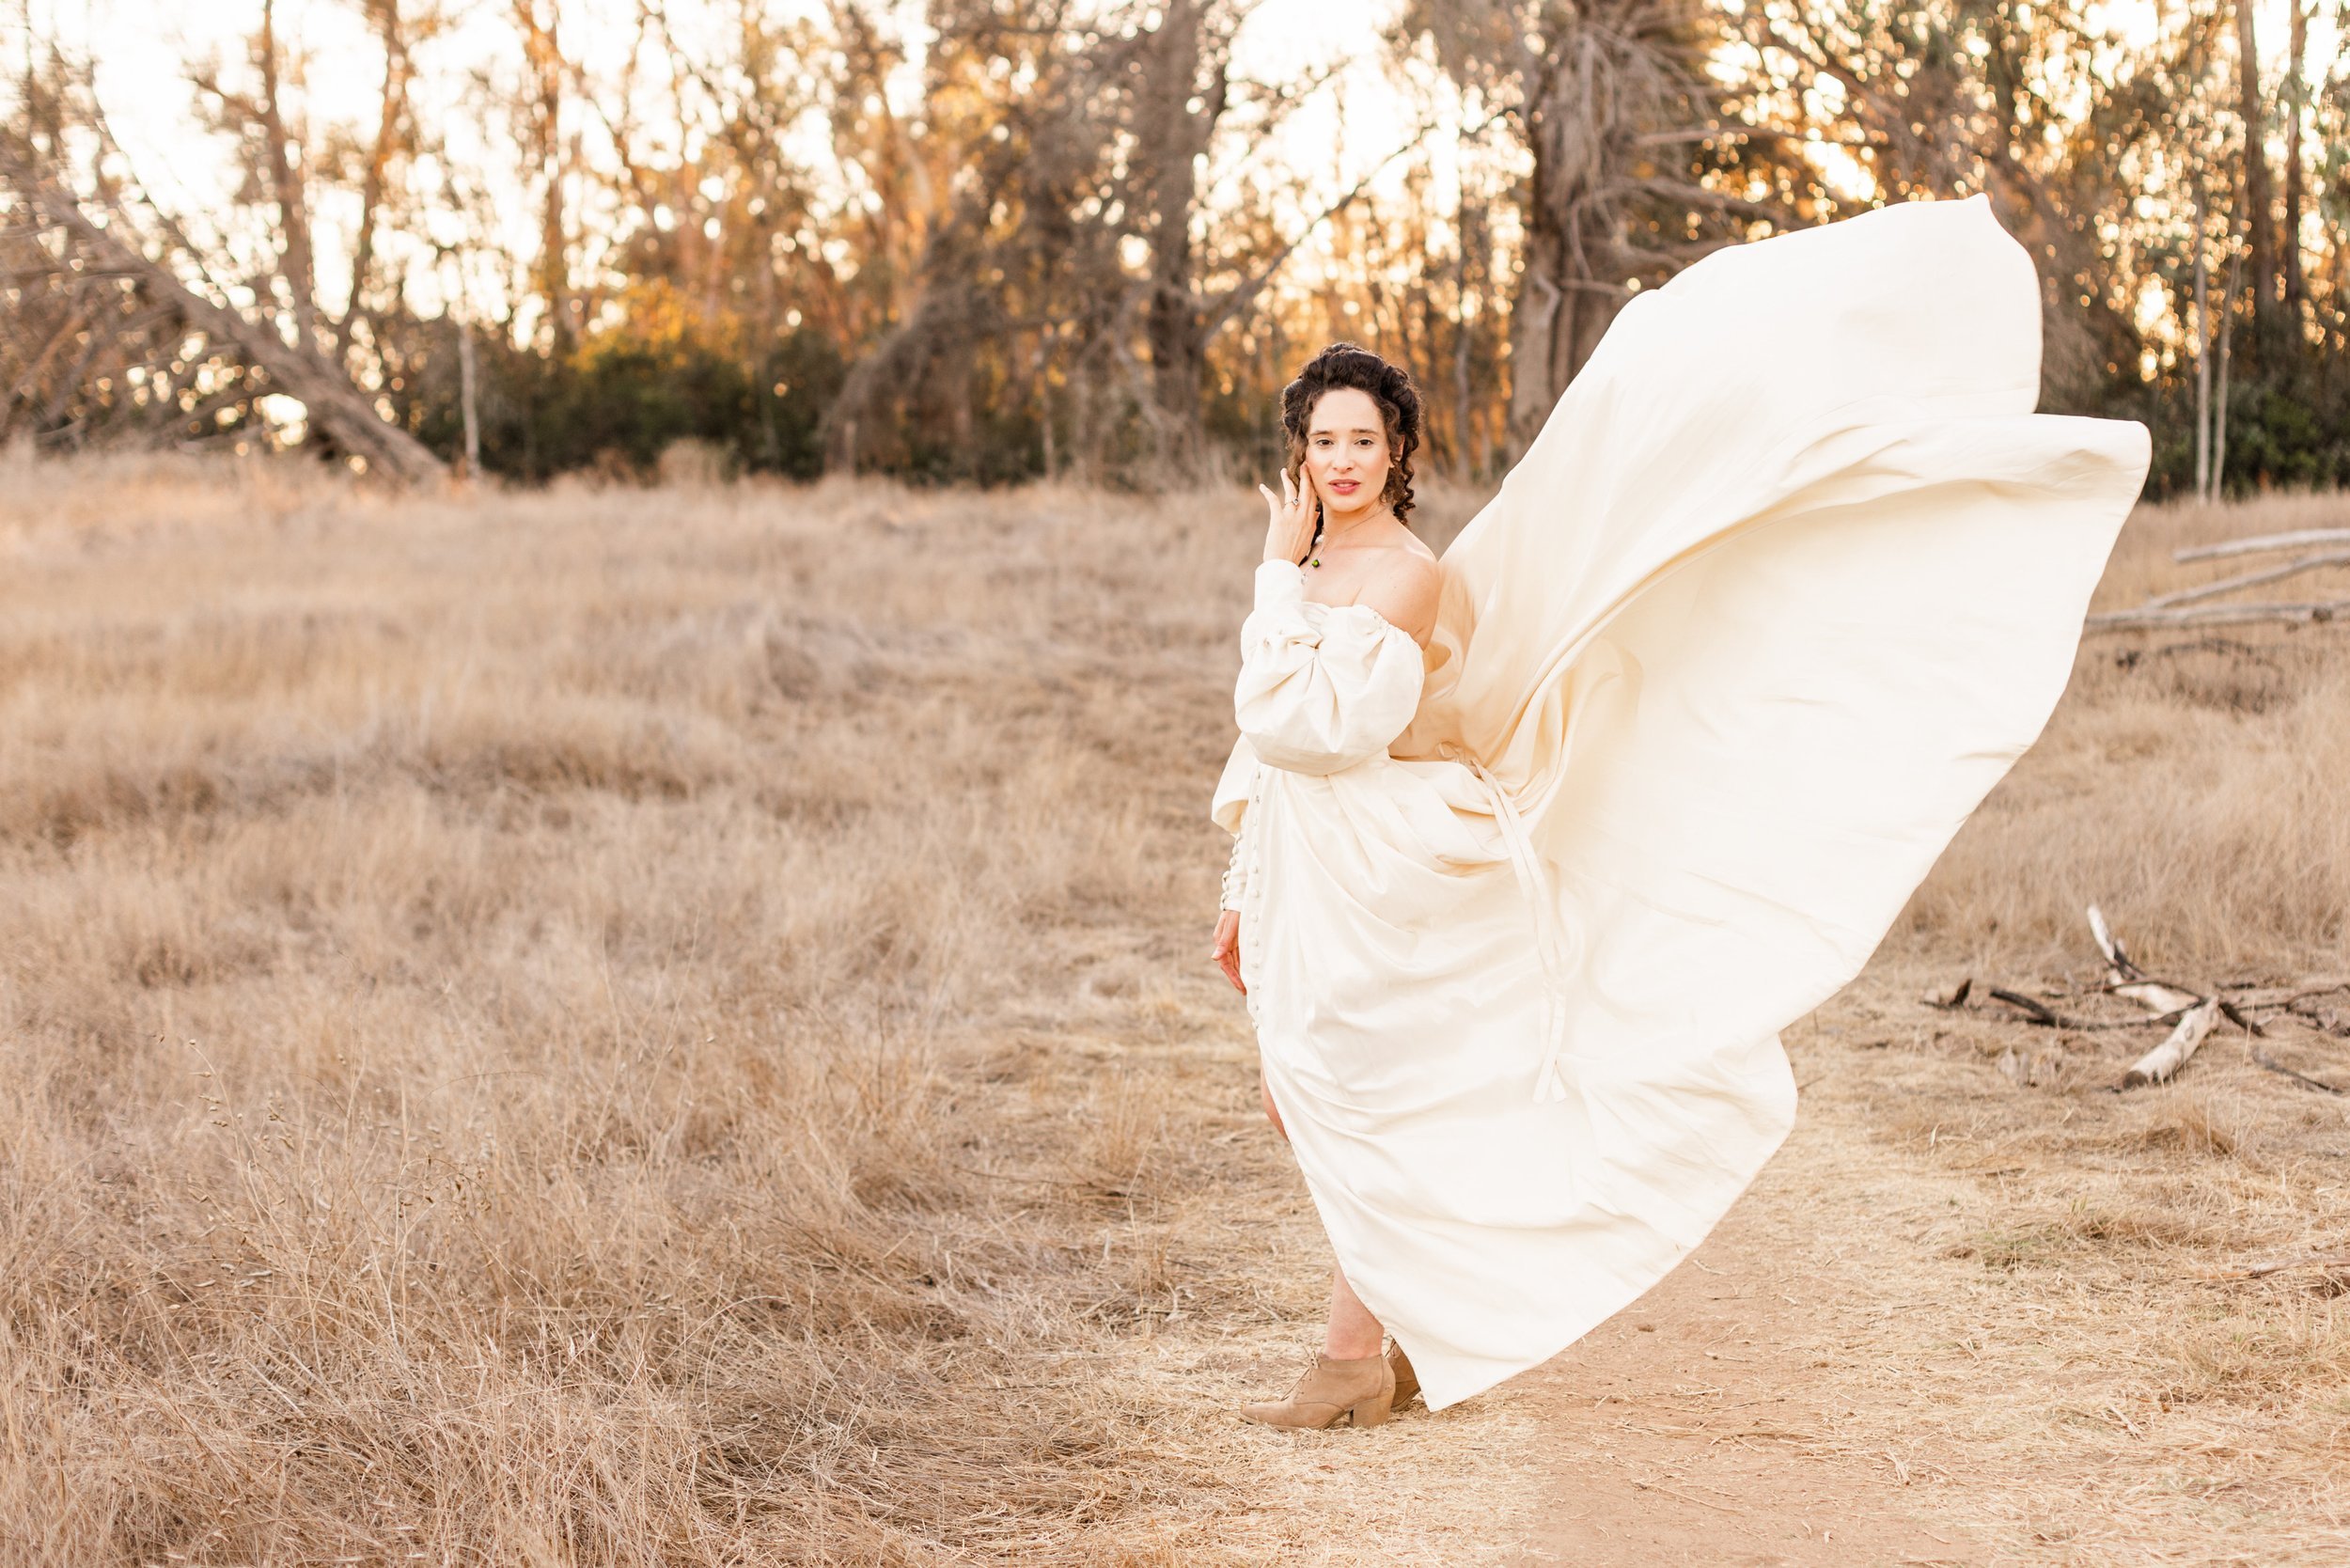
(1361, 1390)
(1406, 1380)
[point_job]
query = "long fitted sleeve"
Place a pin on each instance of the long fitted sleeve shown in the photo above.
(1322, 686)
(1235, 875)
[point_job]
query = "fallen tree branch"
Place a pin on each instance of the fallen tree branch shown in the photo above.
(2218, 615)
(2261, 543)
(2247, 579)
(326, 394)
(2040, 1012)
(2110, 944)
(2172, 1054)
(2125, 979)
(2242, 1019)
(2261, 1058)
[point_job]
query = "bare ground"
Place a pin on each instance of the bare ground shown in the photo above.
(1959, 1319)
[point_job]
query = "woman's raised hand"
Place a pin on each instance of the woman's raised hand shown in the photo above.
(1289, 521)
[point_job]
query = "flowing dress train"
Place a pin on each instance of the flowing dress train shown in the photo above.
(1790, 576)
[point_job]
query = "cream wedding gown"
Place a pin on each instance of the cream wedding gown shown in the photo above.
(1790, 576)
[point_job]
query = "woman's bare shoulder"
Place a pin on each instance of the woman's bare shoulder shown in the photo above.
(1405, 587)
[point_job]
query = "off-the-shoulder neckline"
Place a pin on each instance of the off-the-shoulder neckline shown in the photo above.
(1373, 614)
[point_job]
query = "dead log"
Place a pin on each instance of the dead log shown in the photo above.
(2157, 997)
(2297, 614)
(2248, 579)
(2172, 1054)
(2261, 543)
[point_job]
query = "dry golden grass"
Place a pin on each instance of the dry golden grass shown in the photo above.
(631, 1026)
(672, 1027)
(2025, 1253)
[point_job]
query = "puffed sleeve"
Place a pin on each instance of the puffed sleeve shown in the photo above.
(1321, 687)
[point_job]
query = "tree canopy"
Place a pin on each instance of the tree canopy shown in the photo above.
(991, 240)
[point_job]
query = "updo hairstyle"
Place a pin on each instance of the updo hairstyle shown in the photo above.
(1391, 386)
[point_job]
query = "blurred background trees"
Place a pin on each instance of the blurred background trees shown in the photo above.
(991, 240)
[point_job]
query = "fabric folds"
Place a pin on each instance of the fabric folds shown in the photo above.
(1790, 578)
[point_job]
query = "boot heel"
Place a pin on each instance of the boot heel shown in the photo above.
(1361, 1391)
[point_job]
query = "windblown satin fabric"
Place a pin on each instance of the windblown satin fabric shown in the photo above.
(1791, 577)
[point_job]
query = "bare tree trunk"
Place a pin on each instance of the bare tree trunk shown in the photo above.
(284, 175)
(542, 111)
(2260, 220)
(385, 14)
(1537, 330)
(1460, 404)
(2295, 104)
(2203, 355)
(468, 391)
(2219, 409)
(1174, 323)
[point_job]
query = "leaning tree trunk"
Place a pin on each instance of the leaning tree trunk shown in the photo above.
(333, 404)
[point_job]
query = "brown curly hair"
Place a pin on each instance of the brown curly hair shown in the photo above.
(1391, 386)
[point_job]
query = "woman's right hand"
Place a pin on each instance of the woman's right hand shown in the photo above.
(1291, 519)
(1226, 953)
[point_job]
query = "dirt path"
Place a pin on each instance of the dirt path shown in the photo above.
(1711, 1423)
(1923, 1336)
(1689, 1428)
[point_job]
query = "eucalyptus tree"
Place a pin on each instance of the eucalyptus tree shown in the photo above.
(1639, 159)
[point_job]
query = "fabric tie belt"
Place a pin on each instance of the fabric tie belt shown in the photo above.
(1550, 942)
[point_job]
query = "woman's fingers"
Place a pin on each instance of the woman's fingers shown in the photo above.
(1225, 954)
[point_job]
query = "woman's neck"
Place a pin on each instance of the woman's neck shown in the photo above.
(1344, 530)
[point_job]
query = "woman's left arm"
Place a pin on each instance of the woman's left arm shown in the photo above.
(1321, 687)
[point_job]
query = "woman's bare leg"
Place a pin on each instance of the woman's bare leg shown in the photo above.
(1353, 1333)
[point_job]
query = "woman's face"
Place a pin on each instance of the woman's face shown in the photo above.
(1346, 450)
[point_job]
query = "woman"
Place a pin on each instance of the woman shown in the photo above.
(1538, 846)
